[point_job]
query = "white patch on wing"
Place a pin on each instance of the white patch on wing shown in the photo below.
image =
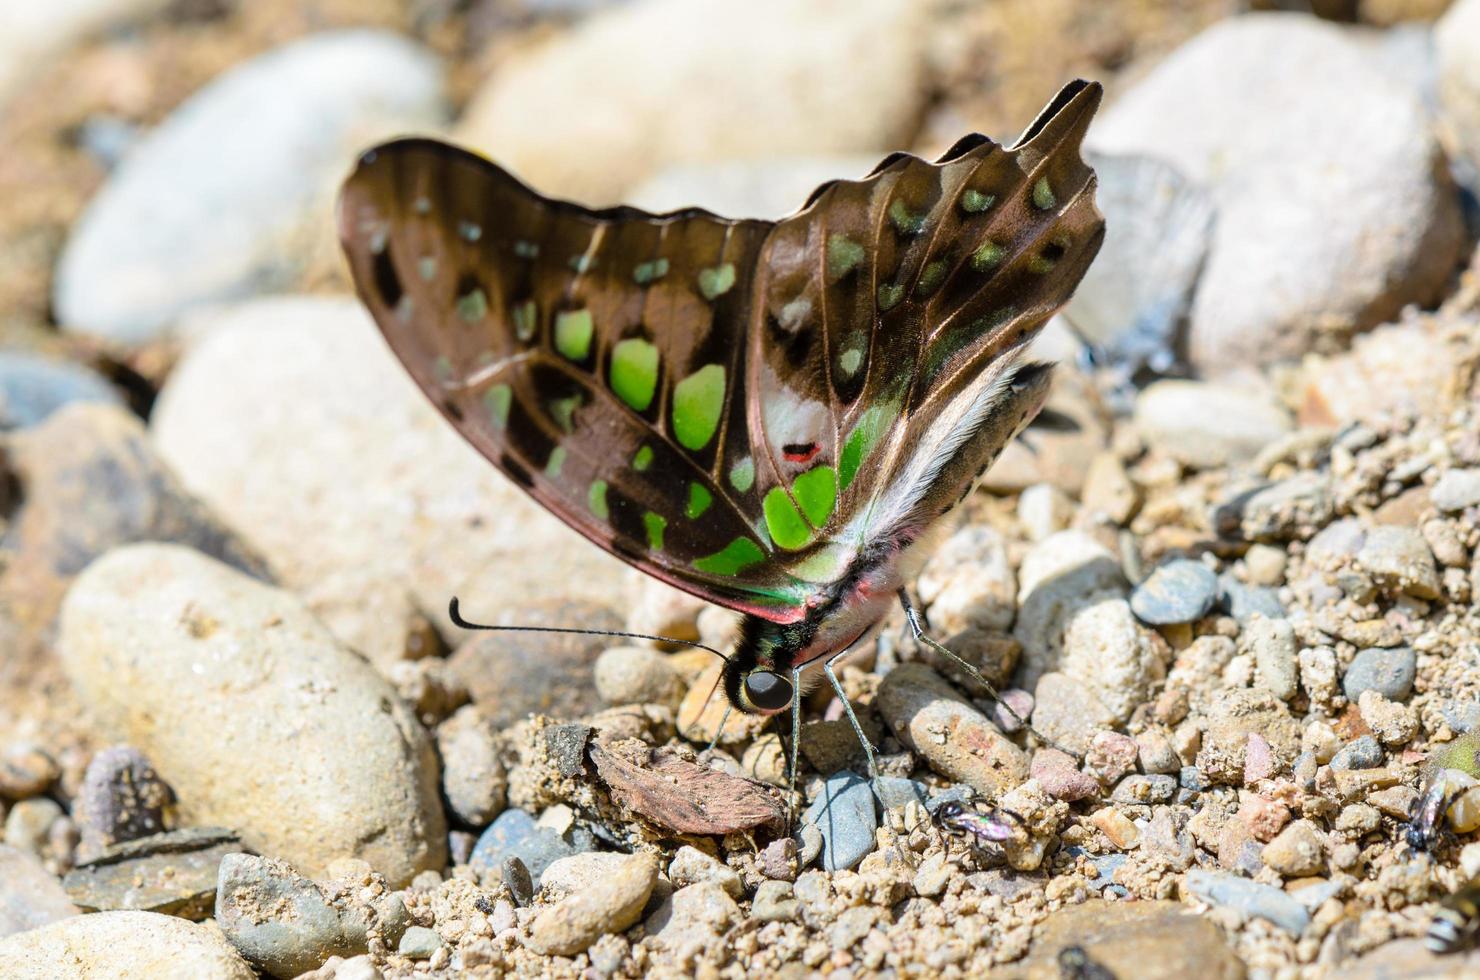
(957, 422)
(791, 420)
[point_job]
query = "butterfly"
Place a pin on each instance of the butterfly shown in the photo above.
(776, 416)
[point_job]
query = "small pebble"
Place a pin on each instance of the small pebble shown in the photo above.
(25, 770)
(278, 919)
(1358, 819)
(1137, 788)
(1265, 818)
(1297, 851)
(844, 813)
(1265, 565)
(473, 777)
(779, 859)
(691, 865)
(1060, 777)
(419, 943)
(1360, 753)
(809, 844)
(1244, 602)
(610, 903)
(1388, 672)
(773, 902)
(29, 822)
(1271, 642)
(121, 798)
(1394, 725)
(515, 833)
(1178, 592)
(516, 876)
(1110, 756)
(1399, 559)
(1155, 754)
(1249, 897)
(1044, 509)
(1116, 826)
(1456, 490)
(637, 675)
(1321, 741)
(1259, 762)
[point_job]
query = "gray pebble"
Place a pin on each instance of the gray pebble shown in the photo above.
(473, 777)
(419, 943)
(516, 876)
(278, 919)
(1249, 897)
(774, 903)
(122, 798)
(32, 387)
(1145, 789)
(1244, 602)
(1178, 592)
(844, 813)
(809, 844)
(1190, 778)
(1271, 642)
(1361, 753)
(514, 833)
(567, 747)
(1462, 716)
(1388, 672)
(174, 873)
(893, 791)
(1456, 490)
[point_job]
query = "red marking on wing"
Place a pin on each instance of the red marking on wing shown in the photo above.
(800, 452)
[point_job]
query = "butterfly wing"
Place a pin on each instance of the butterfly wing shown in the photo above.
(595, 357)
(892, 312)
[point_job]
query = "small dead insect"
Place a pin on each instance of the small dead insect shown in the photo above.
(991, 827)
(1456, 925)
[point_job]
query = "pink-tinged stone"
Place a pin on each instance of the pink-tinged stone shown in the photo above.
(1060, 777)
(1264, 818)
(1111, 755)
(1258, 760)
(1019, 701)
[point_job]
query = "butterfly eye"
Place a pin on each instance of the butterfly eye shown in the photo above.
(767, 691)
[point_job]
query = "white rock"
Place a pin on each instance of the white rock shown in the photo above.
(295, 423)
(1206, 424)
(30, 32)
(1061, 575)
(1456, 490)
(1331, 211)
(206, 207)
(969, 582)
(122, 946)
(655, 83)
(1457, 44)
(1043, 509)
(762, 188)
(1106, 649)
(247, 706)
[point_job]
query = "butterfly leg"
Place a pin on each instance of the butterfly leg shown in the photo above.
(723, 719)
(914, 620)
(868, 749)
(796, 740)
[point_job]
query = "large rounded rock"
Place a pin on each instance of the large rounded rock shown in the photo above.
(122, 946)
(294, 422)
(1204, 424)
(203, 207)
(583, 117)
(1457, 45)
(252, 712)
(1333, 210)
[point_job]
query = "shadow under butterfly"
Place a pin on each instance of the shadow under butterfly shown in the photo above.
(776, 416)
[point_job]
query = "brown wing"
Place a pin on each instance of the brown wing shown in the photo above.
(594, 356)
(889, 307)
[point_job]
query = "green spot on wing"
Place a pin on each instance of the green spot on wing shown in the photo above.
(697, 403)
(787, 526)
(890, 295)
(524, 317)
(861, 441)
(850, 360)
(526, 250)
(573, 329)
(1043, 195)
(563, 411)
(975, 202)
(654, 523)
(742, 474)
(843, 256)
(699, 500)
(556, 462)
(473, 306)
(987, 256)
(596, 499)
(497, 399)
(734, 558)
(905, 221)
(817, 491)
(643, 459)
(634, 372)
(648, 272)
(715, 282)
(931, 277)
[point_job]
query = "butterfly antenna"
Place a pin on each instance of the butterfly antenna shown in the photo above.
(914, 620)
(460, 623)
